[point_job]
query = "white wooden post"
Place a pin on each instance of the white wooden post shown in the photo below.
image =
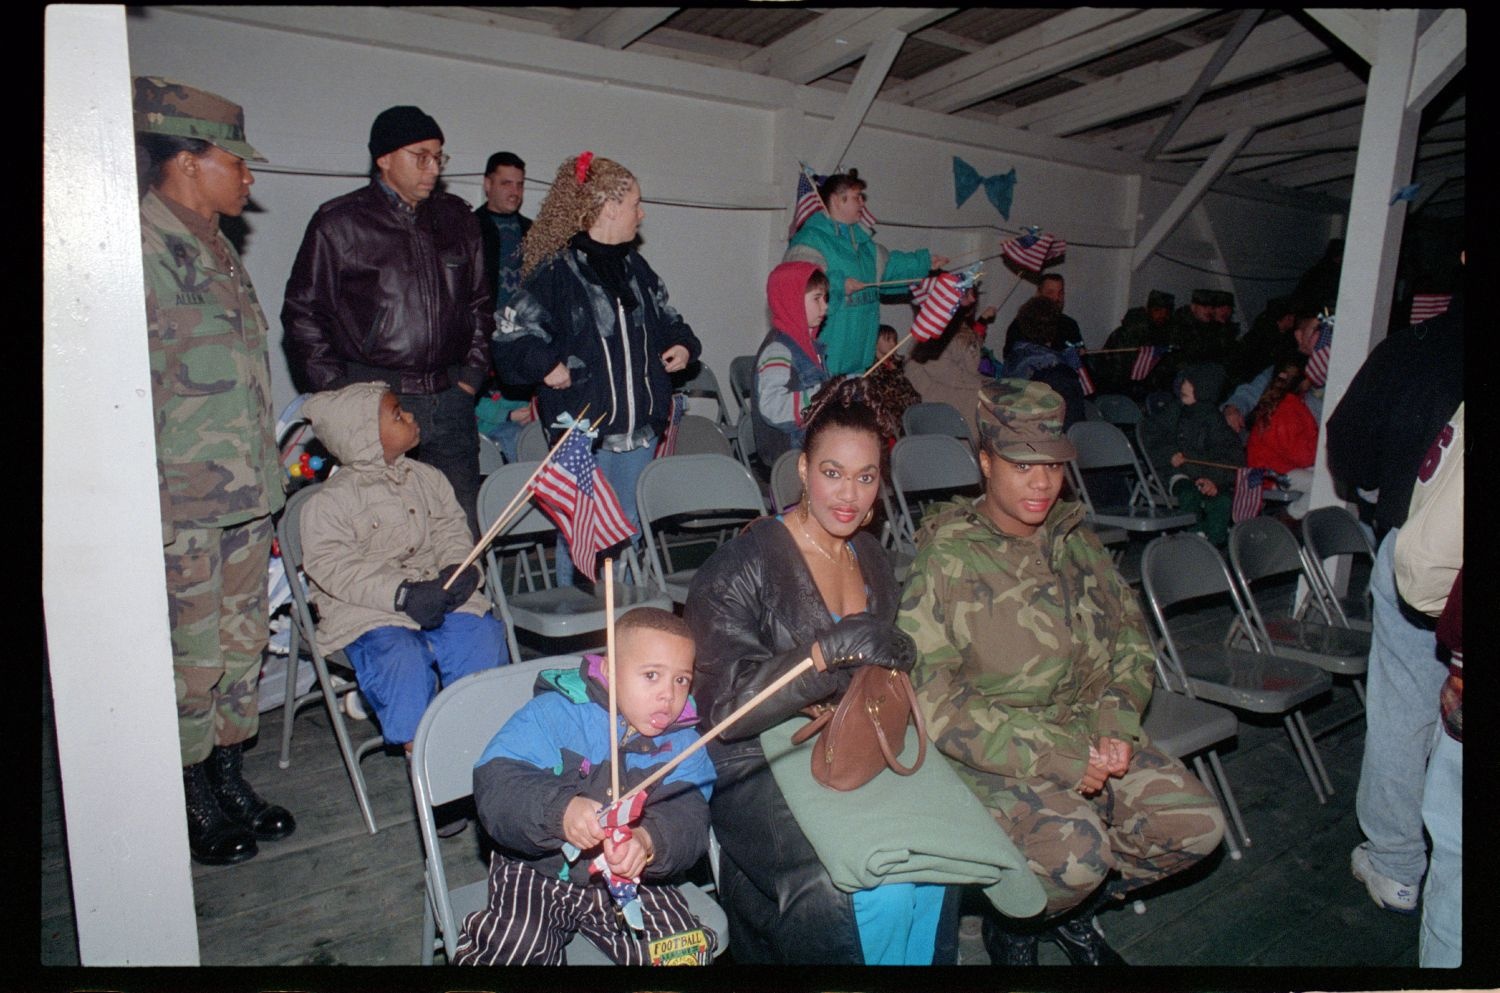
(103, 578)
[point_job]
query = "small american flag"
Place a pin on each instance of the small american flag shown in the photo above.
(1317, 363)
(668, 443)
(1426, 306)
(865, 217)
(1073, 357)
(1248, 498)
(579, 499)
(1145, 361)
(1033, 250)
(940, 297)
(808, 201)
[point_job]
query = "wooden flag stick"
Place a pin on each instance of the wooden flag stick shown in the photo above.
(894, 349)
(609, 665)
(510, 508)
(723, 726)
(1216, 465)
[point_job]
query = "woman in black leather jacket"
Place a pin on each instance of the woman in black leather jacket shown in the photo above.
(810, 582)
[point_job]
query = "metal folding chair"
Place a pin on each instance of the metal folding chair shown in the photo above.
(694, 493)
(742, 380)
(1100, 446)
(1328, 532)
(699, 382)
(936, 466)
(936, 418)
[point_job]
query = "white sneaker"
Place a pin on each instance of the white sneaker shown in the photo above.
(1386, 892)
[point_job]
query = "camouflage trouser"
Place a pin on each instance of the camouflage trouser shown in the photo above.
(1154, 821)
(216, 601)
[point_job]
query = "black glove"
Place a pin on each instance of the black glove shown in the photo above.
(425, 602)
(858, 639)
(901, 654)
(463, 587)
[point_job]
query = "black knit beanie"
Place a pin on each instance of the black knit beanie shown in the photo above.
(397, 127)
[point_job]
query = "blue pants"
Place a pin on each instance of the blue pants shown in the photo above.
(400, 669)
(621, 470)
(898, 922)
(1401, 710)
(1441, 943)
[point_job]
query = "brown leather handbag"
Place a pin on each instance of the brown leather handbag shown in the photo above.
(865, 733)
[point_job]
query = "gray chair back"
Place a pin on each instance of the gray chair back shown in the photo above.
(742, 380)
(1330, 531)
(1116, 408)
(935, 418)
(744, 442)
(1262, 546)
(933, 464)
(698, 435)
(701, 382)
(531, 443)
(714, 489)
(786, 485)
(490, 455)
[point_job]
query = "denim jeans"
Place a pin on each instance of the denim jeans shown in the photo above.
(1401, 709)
(621, 470)
(1441, 943)
(450, 443)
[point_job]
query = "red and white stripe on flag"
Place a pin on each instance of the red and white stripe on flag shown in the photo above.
(668, 443)
(1426, 306)
(865, 217)
(579, 499)
(1317, 362)
(1248, 496)
(808, 201)
(938, 307)
(1032, 251)
(1086, 381)
(1145, 361)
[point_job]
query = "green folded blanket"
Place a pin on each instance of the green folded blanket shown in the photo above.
(923, 828)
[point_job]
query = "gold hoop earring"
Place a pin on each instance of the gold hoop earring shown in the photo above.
(869, 516)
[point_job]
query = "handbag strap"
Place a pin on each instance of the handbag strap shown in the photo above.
(813, 726)
(891, 758)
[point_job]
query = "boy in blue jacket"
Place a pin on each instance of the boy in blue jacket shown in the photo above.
(542, 781)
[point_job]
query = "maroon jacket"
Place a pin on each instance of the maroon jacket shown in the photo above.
(382, 293)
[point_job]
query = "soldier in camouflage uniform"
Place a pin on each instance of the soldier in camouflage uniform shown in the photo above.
(217, 463)
(1033, 669)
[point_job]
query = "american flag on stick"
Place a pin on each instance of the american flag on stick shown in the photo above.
(1248, 496)
(1145, 361)
(940, 296)
(1317, 363)
(579, 499)
(1426, 306)
(1033, 250)
(668, 443)
(1074, 358)
(808, 200)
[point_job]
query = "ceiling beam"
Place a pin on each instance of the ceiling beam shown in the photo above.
(1222, 55)
(1050, 32)
(837, 38)
(1028, 66)
(948, 39)
(1441, 53)
(1321, 169)
(584, 21)
(624, 25)
(1274, 103)
(1189, 195)
(1271, 47)
(1356, 28)
(872, 71)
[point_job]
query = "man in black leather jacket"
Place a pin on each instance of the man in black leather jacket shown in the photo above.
(390, 285)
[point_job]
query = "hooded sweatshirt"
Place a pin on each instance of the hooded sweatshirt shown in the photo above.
(789, 368)
(1198, 430)
(556, 747)
(372, 526)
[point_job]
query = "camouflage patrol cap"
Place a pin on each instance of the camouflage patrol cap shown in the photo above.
(170, 108)
(1022, 421)
(1203, 298)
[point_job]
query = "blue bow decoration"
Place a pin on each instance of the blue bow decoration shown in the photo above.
(998, 188)
(566, 420)
(1407, 193)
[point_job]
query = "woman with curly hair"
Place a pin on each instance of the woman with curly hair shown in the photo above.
(1039, 352)
(591, 324)
(833, 241)
(808, 582)
(1284, 433)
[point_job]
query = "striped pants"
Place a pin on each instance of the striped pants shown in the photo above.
(530, 917)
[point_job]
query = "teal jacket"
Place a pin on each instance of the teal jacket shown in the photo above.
(845, 250)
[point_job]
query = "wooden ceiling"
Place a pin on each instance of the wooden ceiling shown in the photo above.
(1161, 84)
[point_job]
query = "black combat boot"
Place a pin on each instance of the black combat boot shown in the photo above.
(1006, 946)
(241, 803)
(1079, 937)
(213, 838)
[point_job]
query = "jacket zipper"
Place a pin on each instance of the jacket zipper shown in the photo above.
(629, 380)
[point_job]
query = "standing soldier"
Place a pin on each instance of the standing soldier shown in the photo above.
(1033, 669)
(217, 465)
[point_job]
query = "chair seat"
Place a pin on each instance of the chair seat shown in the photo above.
(1111, 536)
(1260, 683)
(580, 950)
(565, 611)
(1317, 638)
(1139, 519)
(1180, 726)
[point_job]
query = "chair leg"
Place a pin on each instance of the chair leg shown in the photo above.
(1359, 691)
(1312, 748)
(1221, 793)
(289, 705)
(429, 931)
(1234, 807)
(1307, 767)
(341, 734)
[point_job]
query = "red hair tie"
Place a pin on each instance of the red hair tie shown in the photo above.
(581, 167)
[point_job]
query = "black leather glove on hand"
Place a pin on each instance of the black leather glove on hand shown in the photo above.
(901, 653)
(463, 587)
(858, 639)
(425, 602)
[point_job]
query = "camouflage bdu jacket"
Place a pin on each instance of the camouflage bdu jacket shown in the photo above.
(1029, 649)
(216, 456)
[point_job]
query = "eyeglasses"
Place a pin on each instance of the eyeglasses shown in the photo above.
(425, 159)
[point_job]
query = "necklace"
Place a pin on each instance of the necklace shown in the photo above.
(812, 541)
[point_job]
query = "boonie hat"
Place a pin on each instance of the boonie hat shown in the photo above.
(1022, 421)
(181, 111)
